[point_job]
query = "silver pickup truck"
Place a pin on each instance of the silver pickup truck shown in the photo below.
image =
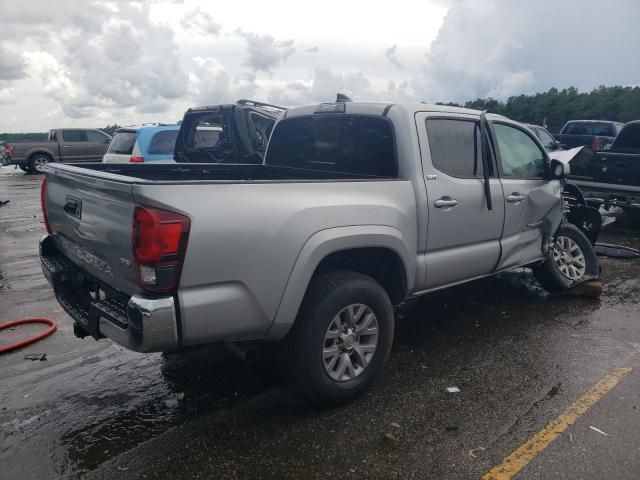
(356, 208)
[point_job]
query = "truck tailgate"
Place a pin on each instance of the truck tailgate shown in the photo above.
(91, 219)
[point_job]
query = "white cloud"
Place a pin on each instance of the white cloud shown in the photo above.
(502, 48)
(211, 83)
(201, 22)
(148, 60)
(392, 56)
(265, 52)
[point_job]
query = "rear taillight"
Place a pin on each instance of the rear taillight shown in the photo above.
(159, 240)
(43, 204)
(595, 143)
(8, 149)
(136, 160)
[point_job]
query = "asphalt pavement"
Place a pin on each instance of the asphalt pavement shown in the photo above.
(520, 358)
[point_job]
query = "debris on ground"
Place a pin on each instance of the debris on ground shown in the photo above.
(598, 430)
(395, 425)
(4, 202)
(390, 437)
(36, 356)
(453, 390)
(616, 251)
(452, 428)
(472, 452)
(590, 287)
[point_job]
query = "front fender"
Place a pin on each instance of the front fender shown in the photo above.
(324, 243)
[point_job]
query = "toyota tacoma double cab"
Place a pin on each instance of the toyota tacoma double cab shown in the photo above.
(356, 208)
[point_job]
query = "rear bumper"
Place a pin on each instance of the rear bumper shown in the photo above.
(138, 323)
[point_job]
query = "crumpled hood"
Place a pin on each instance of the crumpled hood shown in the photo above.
(578, 157)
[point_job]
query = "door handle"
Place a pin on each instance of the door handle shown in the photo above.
(515, 197)
(445, 202)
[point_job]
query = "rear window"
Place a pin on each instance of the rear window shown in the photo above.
(122, 143)
(163, 142)
(354, 144)
(629, 138)
(590, 128)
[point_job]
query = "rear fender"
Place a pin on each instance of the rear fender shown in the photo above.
(324, 243)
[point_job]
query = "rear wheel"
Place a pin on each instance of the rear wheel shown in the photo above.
(571, 260)
(341, 339)
(37, 162)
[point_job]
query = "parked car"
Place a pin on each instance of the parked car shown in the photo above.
(66, 145)
(234, 133)
(146, 143)
(598, 134)
(4, 153)
(357, 207)
(548, 141)
(612, 176)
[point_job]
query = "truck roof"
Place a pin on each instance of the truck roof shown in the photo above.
(381, 108)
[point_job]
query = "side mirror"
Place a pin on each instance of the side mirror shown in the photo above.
(557, 145)
(558, 170)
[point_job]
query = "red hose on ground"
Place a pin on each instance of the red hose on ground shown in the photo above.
(53, 326)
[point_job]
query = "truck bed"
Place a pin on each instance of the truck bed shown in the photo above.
(204, 173)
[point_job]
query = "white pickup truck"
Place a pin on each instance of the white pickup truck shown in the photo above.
(356, 208)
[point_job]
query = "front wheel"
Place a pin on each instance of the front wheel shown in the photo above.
(571, 260)
(37, 162)
(341, 338)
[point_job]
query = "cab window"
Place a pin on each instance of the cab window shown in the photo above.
(547, 140)
(520, 156)
(74, 135)
(455, 147)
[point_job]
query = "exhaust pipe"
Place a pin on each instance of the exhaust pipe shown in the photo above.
(248, 353)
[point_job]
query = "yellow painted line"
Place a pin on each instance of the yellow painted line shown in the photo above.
(541, 440)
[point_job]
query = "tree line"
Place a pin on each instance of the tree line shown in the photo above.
(555, 107)
(551, 108)
(39, 136)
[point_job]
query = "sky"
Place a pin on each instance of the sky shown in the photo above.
(92, 63)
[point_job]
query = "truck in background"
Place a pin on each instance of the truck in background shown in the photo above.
(66, 145)
(612, 177)
(598, 134)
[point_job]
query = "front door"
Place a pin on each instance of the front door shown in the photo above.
(74, 145)
(463, 236)
(531, 201)
(97, 146)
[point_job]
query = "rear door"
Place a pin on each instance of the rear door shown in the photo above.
(463, 235)
(531, 202)
(75, 145)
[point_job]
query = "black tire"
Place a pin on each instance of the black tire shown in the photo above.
(301, 354)
(549, 274)
(37, 161)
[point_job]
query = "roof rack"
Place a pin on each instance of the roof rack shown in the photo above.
(244, 101)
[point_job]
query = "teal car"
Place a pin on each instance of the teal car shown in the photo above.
(146, 143)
